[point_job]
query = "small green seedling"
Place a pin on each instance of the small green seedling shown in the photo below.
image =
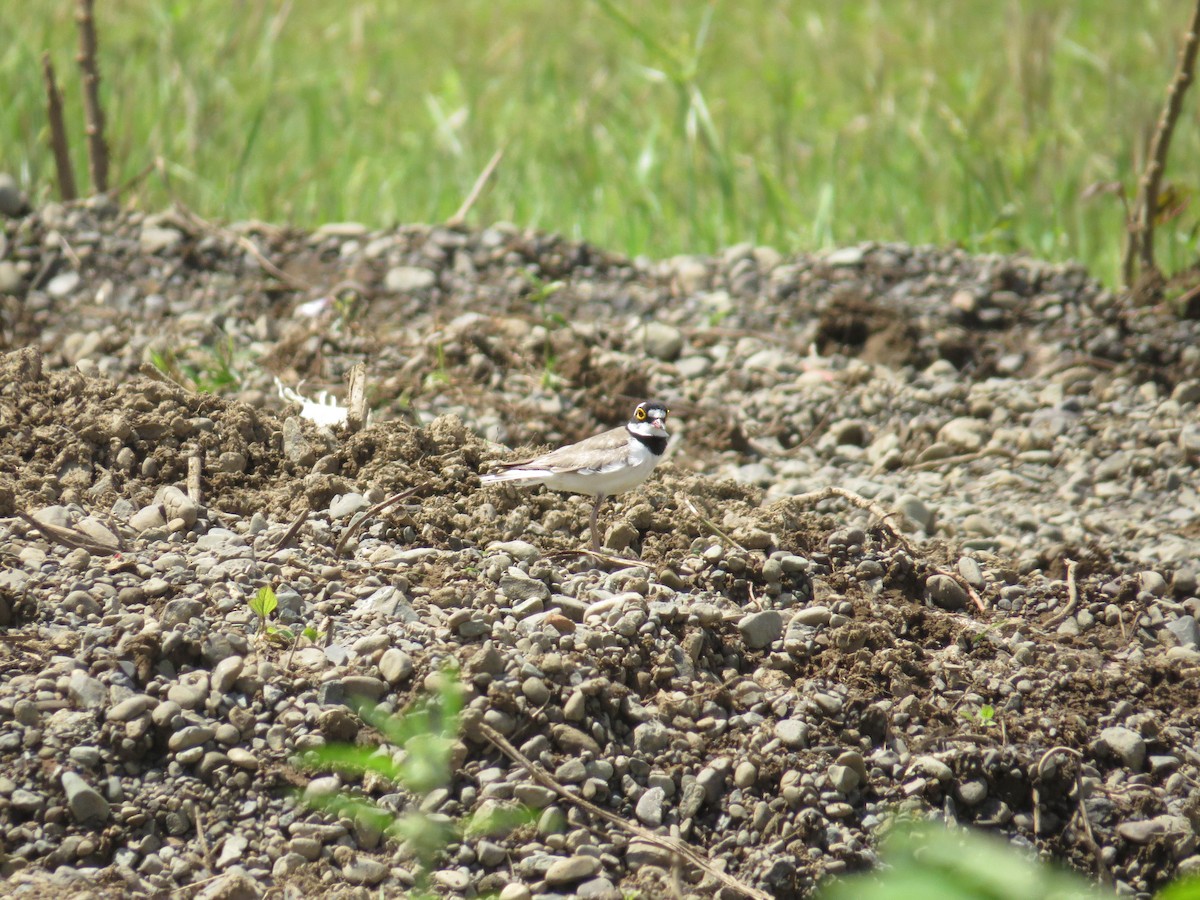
(417, 758)
(262, 604)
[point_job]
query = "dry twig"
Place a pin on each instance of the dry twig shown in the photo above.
(92, 110)
(58, 133)
(476, 189)
(1141, 233)
(672, 845)
(195, 469)
(709, 524)
(69, 537)
(356, 399)
(1072, 597)
(354, 526)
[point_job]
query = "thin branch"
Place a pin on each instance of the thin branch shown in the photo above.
(93, 111)
(1072, 598)
(1160, 144)
(354, 526)
(69, 537)
(476, 189)
(672, 845)
(58, 133)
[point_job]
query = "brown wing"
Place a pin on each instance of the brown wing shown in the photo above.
(591, 453)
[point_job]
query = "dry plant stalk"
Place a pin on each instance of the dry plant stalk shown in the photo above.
(1141, 232)
(93, 111)
(58, 133)
(356, 402)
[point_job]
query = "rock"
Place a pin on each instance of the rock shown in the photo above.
(649, 808)
(1186, 632)
(1122, 744)
(843, 778)
(148, 517)
(916, 511)
(178, 505)
(85, 802)
(571, 869)
(365, 870)
(13, 202)
(86, 692)
(965, 434)
(154, 239)
(409, 279)
(793, 733)
(814, 616)
(662, 341)
(946, 593)
(395, 666)
(761, 629)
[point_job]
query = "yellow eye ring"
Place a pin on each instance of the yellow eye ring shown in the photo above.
(641, 413)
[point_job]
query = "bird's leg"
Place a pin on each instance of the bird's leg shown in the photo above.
(595, 514)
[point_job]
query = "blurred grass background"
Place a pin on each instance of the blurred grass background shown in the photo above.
(654, 128)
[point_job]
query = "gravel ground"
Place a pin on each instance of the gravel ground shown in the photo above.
(762, 669)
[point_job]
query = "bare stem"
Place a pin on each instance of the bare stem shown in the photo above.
(93, 111)
(58, 132)
(1146, 208)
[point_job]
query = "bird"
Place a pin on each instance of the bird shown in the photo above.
(609, 463)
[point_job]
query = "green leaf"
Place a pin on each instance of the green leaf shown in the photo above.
(263, 603)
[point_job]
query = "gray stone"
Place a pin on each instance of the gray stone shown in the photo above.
(946, 593)
(395, 666)
(180, 611)
(1186, 632)
(1152, 583)
(13, 202)
(1123, 744)
(346, 505)
(365, 870)
(916, 511)
(409, 279)
(85, 802)
(649, 807)
(812, 615)
(85, 691)
(191, 736)
(519, 588)
(226, 673)
(651, 737)
(63, 285)
(662, 341)
(573, 868)
(761, 629)
(793, 733)
(843, 778)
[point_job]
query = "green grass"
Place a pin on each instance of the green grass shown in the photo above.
(646, 128)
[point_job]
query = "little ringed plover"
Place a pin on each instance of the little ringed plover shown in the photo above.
(602, 465)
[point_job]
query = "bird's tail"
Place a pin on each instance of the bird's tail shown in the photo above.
(515, 475)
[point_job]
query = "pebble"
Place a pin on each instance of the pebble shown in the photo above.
(409, 279)
(571, 869)
(946, 593)
(1123, 744)
(761, 629)
(87, 805)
